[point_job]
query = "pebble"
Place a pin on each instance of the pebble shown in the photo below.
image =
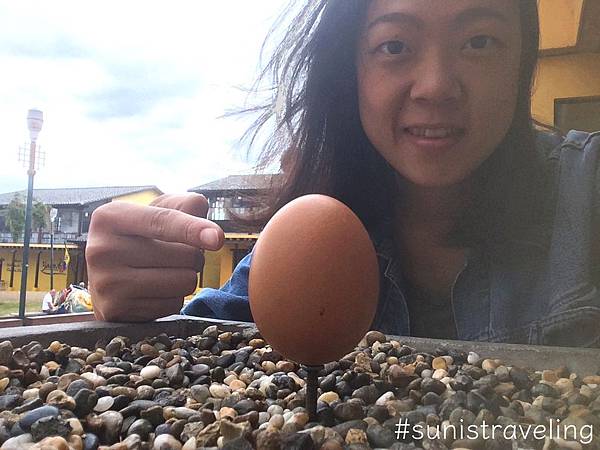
(230, 390)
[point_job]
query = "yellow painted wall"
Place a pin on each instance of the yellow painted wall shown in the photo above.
(559, 23)
(61, 277)
(576, 75)
(141, 198)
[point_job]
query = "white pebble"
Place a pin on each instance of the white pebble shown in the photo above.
(167, 441)
(219, 390)
(275, 409)
(439, 374)
(386, 397)
(473, 358)
(104, 404)
(150, 372)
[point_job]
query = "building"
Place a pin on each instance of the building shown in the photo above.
(567, 88)
(227, 197)
(75, 207)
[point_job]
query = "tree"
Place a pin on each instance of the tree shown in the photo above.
(40, 218)
(15, 219)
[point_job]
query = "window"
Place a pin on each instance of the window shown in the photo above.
(577, 113)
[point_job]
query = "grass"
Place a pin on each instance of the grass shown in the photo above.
(11, 307)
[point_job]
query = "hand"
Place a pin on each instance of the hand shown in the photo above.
(142, 260)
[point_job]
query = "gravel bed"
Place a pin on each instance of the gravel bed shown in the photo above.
(230, 390)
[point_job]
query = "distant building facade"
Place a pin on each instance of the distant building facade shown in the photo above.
(75, 207)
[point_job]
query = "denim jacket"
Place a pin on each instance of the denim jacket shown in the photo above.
(540, 289)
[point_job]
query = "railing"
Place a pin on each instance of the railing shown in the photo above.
(224, 213)
(59, 238)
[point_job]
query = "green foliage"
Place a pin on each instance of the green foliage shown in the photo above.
(15, 219)
(40, 218)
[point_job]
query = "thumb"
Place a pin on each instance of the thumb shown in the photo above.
(192, 203)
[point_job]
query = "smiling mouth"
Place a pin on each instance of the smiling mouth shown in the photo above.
(435, 132)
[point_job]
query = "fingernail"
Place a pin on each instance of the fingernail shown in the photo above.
(210, 237)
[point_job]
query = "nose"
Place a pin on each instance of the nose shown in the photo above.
(436, 80)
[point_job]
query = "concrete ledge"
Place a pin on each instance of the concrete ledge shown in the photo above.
(90, 332)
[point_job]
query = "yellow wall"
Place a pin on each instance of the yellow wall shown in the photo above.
(575, 75)
(61, 277)
(141, 198)
(559, 23)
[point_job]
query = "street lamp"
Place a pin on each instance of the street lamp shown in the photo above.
(35, 119)
(53, 213)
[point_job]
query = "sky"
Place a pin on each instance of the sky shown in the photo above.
(132, 92)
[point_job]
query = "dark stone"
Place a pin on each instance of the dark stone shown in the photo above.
(342, 428)
(77, 385)
(462, 382)
(431, 398)
(217, 374)
(119, 379)
(245, 406)
(141, 427)
(136, 406)
(297, 441)
(29, 405)
(32, 416)
(9, 401)
(240, 443)
(378, 412)
(121, 401)
(380, 437)
(49, 426)
(369, 394)
(175, 375)
(328, 383)
(349, 411)
(154, 415)
(520, 378)
(85, 400)
(432, 385)
(91, 442)
(163, 428)
(326, 416)
(545, 390)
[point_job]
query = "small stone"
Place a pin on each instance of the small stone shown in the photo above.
(473, 358)
(104, 404)
(355, 436)
(439, 363)
(34, 415)
(49, 426)
(490, 365)
(329, 397)
(200, 393)
(219, 390)
(167, 442)
(142, 428)
(150, 372)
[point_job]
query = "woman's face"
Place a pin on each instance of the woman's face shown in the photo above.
(437, 83)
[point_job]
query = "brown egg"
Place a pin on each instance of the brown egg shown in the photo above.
(314, 280)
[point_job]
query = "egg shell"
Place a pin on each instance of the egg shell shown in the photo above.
(314, 280)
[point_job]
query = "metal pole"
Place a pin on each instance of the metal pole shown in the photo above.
(51, 254)
(27, 237)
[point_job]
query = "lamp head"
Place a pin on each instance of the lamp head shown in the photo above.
(35, 119)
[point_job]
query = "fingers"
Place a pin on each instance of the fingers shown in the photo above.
(193, 204)
(155, 222)
(150, 282)
(142, 310)
(135, 251)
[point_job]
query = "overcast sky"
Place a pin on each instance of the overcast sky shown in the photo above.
(131, 91)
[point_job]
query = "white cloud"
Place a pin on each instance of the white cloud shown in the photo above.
(131, 91)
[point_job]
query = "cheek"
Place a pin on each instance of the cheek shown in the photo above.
(379, 101)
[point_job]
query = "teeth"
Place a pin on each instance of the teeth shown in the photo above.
(435, 133)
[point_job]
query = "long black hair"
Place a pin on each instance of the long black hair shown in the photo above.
(318, 129)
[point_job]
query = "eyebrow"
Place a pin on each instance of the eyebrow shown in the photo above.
(464, 17)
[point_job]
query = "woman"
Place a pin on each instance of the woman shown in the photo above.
(416, 114)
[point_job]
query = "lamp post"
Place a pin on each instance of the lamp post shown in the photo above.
(35, 119)
(53, 213)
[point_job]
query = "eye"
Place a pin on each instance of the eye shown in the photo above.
(481, 42)
(393, 48)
